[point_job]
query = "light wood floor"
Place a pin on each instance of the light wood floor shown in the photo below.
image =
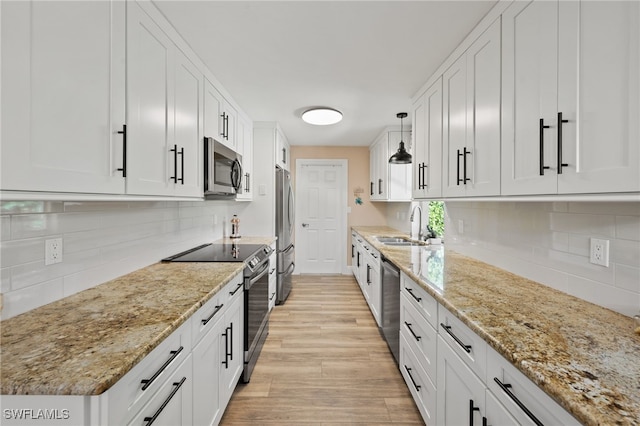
(324, 363)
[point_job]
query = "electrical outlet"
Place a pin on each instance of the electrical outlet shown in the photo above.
(460, 226)
(53, 251)
(599, 252)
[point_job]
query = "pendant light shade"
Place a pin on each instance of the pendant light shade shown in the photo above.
(401, 156)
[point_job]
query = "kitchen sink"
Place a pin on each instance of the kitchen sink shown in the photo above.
(396, 241)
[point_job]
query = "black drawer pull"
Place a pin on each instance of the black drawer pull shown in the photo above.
(174, 354)
(175, 390)
(215, 311)
(417, 386)
(415, 336)
(506, 389)
(379, 186)
(447, 328)
(236, 290)
(410, 290)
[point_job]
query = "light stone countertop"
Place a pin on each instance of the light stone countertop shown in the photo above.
(587, 358)
(83, 344)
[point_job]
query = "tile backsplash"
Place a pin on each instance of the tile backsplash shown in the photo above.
(549, 242)
(101, 241)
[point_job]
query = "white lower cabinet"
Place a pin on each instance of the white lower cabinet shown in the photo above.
(420, 385)
(171, 405)
(526, 402)
(454, 376)
(460, 391)
(366, 269)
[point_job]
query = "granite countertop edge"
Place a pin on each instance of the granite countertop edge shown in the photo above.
(585, 413)
(32, 341)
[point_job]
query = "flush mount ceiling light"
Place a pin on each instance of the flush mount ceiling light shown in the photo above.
(322, 116)
(401, 156)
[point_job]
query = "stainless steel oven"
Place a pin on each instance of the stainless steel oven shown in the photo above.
(256, 290)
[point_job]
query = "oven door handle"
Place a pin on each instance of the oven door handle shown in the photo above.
(289, 269)
(261, 273)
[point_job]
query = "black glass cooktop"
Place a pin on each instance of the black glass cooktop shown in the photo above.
(217, 253)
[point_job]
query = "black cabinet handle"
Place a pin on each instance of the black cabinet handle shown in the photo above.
(410, 290)
(215, 311)
(379, 186)
(284, 156)
(472, 408)
(371, 188)
(353, 250)
(484, 421)
(542, 166)
(231, 340)
(175, 163)
(447, 328)
(226, 348)
(417, 386)
(458, 180)
(236, 289)
(123, 132)
(421, 180)
(560, 163)
(272, 296)
(368, 274)
(506, 388)
(177, 386)
(464, 161)
(358, 260)
(224, 125)
(246, 180)
(415, 336)
(147, 382)
(181, 153)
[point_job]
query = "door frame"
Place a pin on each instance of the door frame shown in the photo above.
(343, 202)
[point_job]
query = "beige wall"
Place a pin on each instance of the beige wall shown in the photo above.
(367, 213)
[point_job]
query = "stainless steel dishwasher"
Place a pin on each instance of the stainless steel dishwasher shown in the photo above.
(391, 306)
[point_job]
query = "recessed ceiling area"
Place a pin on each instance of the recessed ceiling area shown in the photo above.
(364, 58)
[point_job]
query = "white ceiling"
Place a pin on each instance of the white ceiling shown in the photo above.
(364, 58)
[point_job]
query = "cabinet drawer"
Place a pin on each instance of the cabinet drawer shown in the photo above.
(171, 405)
(205, 317)
(420, 335)
(467, 344)
(424, 303)
(518, 394)
(421, 387)
(139, 385)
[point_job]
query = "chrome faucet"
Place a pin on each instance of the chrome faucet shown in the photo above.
(413, 211)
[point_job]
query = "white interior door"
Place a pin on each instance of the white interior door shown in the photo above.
(321, 188)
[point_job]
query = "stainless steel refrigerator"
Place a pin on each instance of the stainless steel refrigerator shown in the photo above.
(285, 210)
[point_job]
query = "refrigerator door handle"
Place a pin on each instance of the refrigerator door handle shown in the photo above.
(289, 270)
(288, 249)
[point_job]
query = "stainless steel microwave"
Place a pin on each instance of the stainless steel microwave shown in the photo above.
(222, 170)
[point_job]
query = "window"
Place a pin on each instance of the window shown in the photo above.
(436, 217)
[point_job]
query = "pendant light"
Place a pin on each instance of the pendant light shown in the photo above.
(401, 156)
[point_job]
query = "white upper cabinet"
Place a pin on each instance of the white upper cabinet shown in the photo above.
(245, 148)
(571, 73)
(427, 143)
(389, 182)
(164, 107)
(599, 96)
(471, 104)
(220, 118)
(63, 96)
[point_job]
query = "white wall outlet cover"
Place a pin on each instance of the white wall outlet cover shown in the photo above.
(53, 251)
(599, 252)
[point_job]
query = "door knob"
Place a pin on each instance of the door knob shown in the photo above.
(304, 225)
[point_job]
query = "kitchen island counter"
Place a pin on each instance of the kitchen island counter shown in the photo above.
(587, 358)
